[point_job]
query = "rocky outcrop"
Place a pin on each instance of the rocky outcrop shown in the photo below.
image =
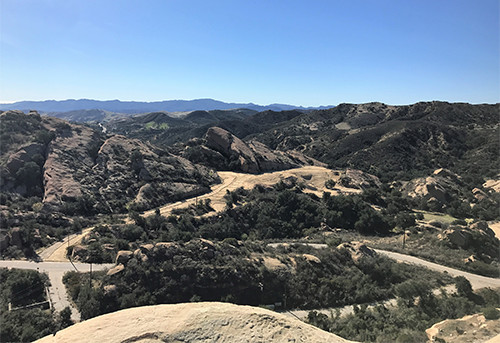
(472, 328)
(493, 184)
(79, 253)
(25, 154)
(116, 269)
(83, 171)
(441, 187)
(193, 322)
(66, 155)
(123, 256)
(353, 178)
(478, 236)
(479, 194)
(222, 150)
(358, 250)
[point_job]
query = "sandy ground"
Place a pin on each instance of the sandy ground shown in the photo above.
(495, 226)
(312, 177)
(472, 328)
(193, 322)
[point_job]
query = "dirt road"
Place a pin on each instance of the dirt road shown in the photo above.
(57, 251)
(476, 281)
(312, 177)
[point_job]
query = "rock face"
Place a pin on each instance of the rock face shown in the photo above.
(193, 322)
(441, 187)
(352, 178)
(222, 150)
(82, 170)
(493, 184)
(358, 250)
(476, 235)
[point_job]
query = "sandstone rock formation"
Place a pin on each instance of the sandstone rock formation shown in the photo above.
(358, 250)
(493, 184)
(193, 322)
(441, 187)
(476, 235)
(352, 178)
(223, 150)
(82, 170)
(473, 328)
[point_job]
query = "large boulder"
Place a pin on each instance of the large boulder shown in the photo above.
(193, 322)
(440, 188)
(353, 178)
(358, 250)
(123, 256)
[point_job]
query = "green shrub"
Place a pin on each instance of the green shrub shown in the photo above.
(491, 313)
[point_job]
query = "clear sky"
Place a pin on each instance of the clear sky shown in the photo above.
(305, 52)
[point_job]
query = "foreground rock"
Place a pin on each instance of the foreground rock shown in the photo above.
(193, 322)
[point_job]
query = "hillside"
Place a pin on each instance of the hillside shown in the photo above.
(392, 142)
(396, 141)
(77, 169)
(193, 322)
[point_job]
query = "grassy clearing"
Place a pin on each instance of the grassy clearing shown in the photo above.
(438, 217)
(154, 125)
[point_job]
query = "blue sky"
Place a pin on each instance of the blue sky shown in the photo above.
(306, 53)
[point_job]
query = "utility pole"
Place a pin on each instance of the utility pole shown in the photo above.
(90, 276)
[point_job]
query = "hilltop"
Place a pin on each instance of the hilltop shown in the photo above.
(194, 322)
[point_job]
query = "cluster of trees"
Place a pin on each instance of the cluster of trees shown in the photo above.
(37, 228)
(417, 309)
(205, 271)
(25, 287)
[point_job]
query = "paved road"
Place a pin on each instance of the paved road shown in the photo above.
(56, 270)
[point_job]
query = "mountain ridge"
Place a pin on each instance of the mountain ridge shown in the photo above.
(134, 107)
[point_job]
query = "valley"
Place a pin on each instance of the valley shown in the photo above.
(297, 211)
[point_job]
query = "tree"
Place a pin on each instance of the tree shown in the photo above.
(65, 318)
(405, 220)
(464, 288)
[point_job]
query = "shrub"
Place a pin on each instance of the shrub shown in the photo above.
(491, 313)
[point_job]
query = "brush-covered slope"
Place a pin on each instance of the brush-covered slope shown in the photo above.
(396, 141)
(78, 169)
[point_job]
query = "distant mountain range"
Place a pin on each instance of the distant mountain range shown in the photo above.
(132, 107)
